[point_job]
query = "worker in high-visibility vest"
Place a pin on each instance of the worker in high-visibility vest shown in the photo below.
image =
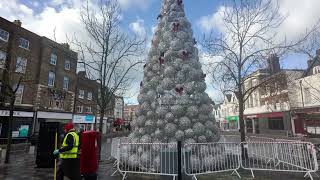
(69, 155)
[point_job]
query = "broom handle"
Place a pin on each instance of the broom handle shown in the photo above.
(55, 160)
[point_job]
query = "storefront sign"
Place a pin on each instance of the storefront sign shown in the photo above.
(232, 118)
(53, 115)
(83, 119)
(16, 113)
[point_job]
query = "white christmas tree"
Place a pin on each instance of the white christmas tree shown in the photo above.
(173, 102)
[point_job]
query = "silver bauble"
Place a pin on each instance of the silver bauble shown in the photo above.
(177, 110)
(169, 117)
(145, 139)
(184, 123)
(169, 72)
(202, 139)
(141, 120)
(192, 111)
(145, 159)
(170, 129)
(179, 135)
(189, 133)
(198, 128)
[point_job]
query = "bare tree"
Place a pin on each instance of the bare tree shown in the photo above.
(110, 55)
(249, 37)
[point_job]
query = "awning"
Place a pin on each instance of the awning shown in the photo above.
(232, 118)
(54, 115)
(265, 115)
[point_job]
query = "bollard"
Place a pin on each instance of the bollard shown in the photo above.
(179, 160)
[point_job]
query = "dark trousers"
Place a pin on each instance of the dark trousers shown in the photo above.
(69, 168)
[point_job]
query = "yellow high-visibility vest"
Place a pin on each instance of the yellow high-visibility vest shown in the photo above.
(73, 153)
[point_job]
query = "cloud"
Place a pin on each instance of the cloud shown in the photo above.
(140, 4)
(138, 28)
(300, 15)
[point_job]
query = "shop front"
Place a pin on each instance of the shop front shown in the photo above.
(277, 123)
(21, 126)
(231, 123)
(307, 122)
(84, 122)
(49, 117)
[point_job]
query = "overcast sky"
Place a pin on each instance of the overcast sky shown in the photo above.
(139, 16)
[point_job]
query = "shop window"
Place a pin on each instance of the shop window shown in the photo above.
(3, 56)
(276, 123)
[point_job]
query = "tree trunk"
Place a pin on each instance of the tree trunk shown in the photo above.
(9, 136)
(101, 131)
(244, 152)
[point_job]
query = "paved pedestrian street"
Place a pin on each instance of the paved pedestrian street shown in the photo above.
(23, 167)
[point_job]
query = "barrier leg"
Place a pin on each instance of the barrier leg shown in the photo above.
(308, 174)
(235, 171)
(174, 177)
(194, 177)
(114, 173)
(252, 173)
(124, 176)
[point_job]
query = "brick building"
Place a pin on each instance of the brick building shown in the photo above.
(85, 101)
(129, 112)
(19, 54)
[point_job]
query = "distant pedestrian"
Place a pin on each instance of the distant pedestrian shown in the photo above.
(69, 155)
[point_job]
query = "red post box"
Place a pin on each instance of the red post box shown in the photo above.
(88, 156)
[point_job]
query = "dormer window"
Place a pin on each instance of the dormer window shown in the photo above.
(316, 69)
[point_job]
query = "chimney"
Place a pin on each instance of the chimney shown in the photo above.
(17, 22)
(82, 74)
(318, 52)
(66, 45)
(310, 61)
(273, 64)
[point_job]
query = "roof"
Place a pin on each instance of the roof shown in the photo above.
(228, 96)
(311, 66)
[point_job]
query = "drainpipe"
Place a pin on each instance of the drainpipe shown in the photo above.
(302, 98)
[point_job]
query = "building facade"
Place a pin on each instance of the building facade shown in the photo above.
(304, 95)
(85, 110)
(19, 55)
(129, 112)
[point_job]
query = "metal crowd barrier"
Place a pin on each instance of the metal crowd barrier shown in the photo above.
(148, 158)
(115, 147)
(280, 156)
(209, 158)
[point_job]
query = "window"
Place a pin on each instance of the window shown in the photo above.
(4, 35)
(65, 83)
(90, 96)
(23, 43)
(67, 65)
(276, 123)
(53, 59)
(79, 109)
(88, 109)
(81, 94)
(3, 56)
(316, 69)
(19, 94)
(51, 78)
(21, 65)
